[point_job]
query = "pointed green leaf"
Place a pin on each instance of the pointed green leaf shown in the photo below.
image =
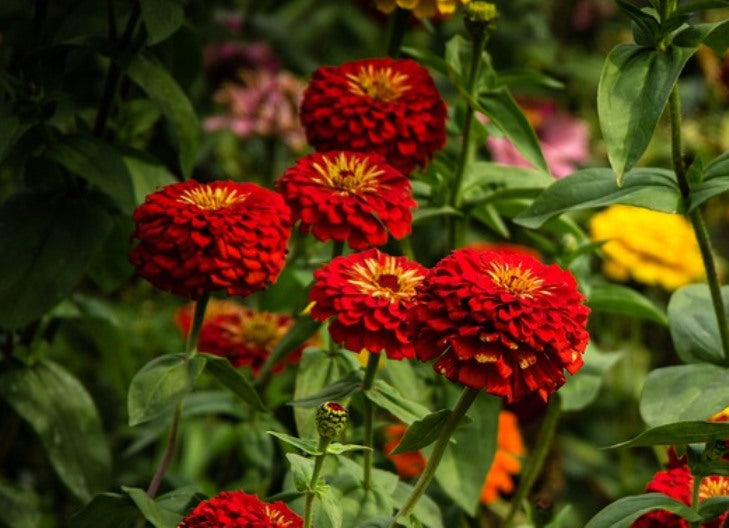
(613, 298)
(693, 326)
(307, 445)
(678, 433)
(389, 398)
(582, 388)
(715, 181)
(422, 433)
(161, 18)
(336, 391)
(153, 512)
(221, 369)
(335, 448)
(106, 510)
(622, 512)
(302, 469)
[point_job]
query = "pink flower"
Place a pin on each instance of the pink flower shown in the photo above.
(262, 103)
(564, 140)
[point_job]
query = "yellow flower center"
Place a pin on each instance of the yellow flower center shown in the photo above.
(276, 517)
(714, 486)
(258, 329)
(348, 174)
(205, 197)
(379, 84)
(386, 279)
(516, 280)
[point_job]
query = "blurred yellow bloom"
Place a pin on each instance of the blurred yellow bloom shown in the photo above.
(421, 8)
(650, 247)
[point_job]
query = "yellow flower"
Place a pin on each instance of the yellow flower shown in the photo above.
(421, 8)
(648, 246)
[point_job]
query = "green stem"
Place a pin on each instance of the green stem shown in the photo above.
(536, 461)
(468, 396)
(697, 221)
(318, 463)
(457, 225)
(396, 31)
(695, 497)
(190, 351)
(369, 417)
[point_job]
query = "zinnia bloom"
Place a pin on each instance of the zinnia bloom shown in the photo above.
(386, 106)
(347, 196)
(651, 247)
(245, 337)
(500, 321)
(507, 459)
(201, 237)
(261, 103)
(367, 295)
(678, 483)
(407, 465)
(421, 8)
(236, 509)
(564, 140)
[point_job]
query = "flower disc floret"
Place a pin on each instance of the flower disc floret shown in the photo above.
(501, 321)
(195, 238)
(236, 509)
(349, 197)
(385, 106)
(368, 296)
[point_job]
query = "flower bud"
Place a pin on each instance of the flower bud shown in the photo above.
(331, 419)
(479, 17)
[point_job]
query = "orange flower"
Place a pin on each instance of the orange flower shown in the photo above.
(507, 461)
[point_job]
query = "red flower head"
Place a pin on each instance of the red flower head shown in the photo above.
(236, 509)
(347, 196)
(387, 106)
(245, 337)
(501, 321)
(677, 483)
(369, 295)
(200, 237)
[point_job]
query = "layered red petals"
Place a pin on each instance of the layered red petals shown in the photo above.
(387, 106)
(236, 509)
(368, 296)
(349, 197)
(501, 321)
(195, 238)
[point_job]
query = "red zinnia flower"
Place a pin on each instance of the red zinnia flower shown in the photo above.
(347, 196)
(200, 237)
(501, 321)
(245, 337)
(677, 483)
(387, 106)
(368, 294)
(236, 509)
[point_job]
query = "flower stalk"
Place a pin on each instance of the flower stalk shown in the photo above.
(536, 461)
(466, 399)
(369, 418)
(318, 463)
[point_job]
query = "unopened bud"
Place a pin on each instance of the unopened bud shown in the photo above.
(479, 17)
(331, 419)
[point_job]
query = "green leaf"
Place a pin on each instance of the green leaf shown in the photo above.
(308, 446)
(99, 163)
(482, 176)
(303, 329)
(160, 385)
(715, 181)
(110, 268)
(49, 240)
(678, 433)
(426, 213)
(19, 507)
(317, 370)
(181, 500)
(147, 174)
(336, 391)
(331, 507)
(161, 18)
(12, 129)
(389, 398)
(582, 388)
(153, 512)
(151, 77)
(634, 88)
(613, 298)
(713, 507)
(718, 38)
(335, 448)
(693, 326)
(684, 392)
(64, 416)
(422, 433)
(106, 510)
(651, 188)
(503, 112)
(221, 369)
(302, 469)
(464, 466)
(427, 59)
(426, 510)
(622, 512)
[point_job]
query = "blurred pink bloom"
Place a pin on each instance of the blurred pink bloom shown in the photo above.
(261, 103)
(564, 140)
(588, 13)
(223, 60)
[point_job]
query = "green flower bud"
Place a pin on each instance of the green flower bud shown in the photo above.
(331, 419)
(479, 17)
